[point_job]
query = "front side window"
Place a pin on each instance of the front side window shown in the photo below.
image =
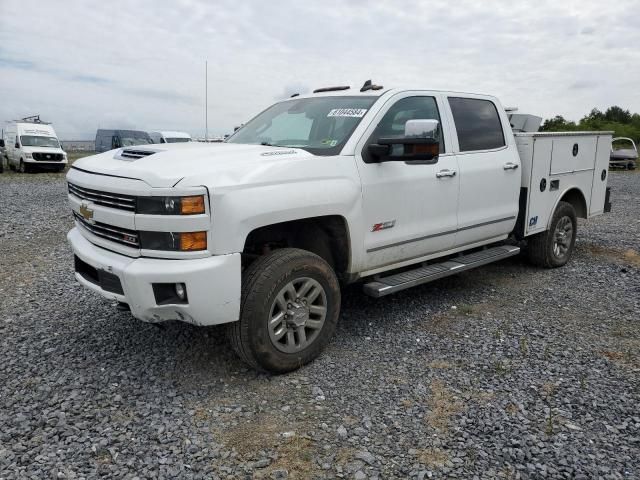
(39, 141)
(319, 125)
(477, 123)
(410, 108)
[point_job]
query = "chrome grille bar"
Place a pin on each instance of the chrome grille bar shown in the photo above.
(107, 199)
(123, 236)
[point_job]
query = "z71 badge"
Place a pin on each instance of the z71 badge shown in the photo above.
(383, 226)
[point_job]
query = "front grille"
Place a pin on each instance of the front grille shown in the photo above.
(107, 281)
(107, 199)
(119, 235)
(131, 153)
(47, 157)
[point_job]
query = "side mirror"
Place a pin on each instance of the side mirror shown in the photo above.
(419, 143)
(17, 145)
(421, 129)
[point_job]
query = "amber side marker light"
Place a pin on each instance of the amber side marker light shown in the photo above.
(192, 205)
(190, 241)
(433, 149)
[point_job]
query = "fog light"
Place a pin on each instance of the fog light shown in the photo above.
(170, 293)
(181, 291)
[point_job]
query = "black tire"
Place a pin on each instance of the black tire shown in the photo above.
(549, 249)
(631, 166)
(60, 168)
(262, 283)
(24, 168)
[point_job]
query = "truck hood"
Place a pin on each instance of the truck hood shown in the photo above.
(188, 163)
(27, 149)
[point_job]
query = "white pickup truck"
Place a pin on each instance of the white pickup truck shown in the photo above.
(388, 187)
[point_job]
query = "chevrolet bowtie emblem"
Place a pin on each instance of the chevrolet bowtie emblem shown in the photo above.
(86, 212)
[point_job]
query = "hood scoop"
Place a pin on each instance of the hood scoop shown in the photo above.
(133, 154)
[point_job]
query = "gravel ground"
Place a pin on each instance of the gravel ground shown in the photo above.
(503, 372)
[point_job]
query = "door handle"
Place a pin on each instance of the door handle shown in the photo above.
(446, 173)
(510, 166)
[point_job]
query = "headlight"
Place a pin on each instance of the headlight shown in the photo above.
(28, 155)
(174, 241)
(171, 205)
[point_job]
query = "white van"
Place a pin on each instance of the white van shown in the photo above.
(32, 144)
(170, 137)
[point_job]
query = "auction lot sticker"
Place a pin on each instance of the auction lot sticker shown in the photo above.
(347, 112)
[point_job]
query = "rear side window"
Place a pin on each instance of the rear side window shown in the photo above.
(477, 123)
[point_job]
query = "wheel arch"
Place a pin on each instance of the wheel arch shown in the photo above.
(576, 198)
(327, 236)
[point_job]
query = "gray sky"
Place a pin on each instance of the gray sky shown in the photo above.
(89, 64)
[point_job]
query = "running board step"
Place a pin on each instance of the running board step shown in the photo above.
(382, 286)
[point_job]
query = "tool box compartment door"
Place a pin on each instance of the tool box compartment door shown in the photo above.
(573, 154)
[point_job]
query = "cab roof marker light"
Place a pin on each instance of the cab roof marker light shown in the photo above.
(332, 89)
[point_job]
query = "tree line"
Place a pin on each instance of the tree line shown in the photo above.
(616, 119)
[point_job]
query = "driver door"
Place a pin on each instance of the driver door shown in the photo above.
(409, 207)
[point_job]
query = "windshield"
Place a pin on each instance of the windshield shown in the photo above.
(38, 141)
(129, 140)
(319, 125)
(177, 140)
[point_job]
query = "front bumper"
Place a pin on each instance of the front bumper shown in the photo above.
(212, 283)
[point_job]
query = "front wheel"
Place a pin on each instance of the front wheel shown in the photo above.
(289, 310)
(554, 247)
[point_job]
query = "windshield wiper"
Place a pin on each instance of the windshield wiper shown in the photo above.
(267, 144)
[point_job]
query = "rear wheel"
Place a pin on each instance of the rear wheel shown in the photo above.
(290, 307)
(554, 247)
